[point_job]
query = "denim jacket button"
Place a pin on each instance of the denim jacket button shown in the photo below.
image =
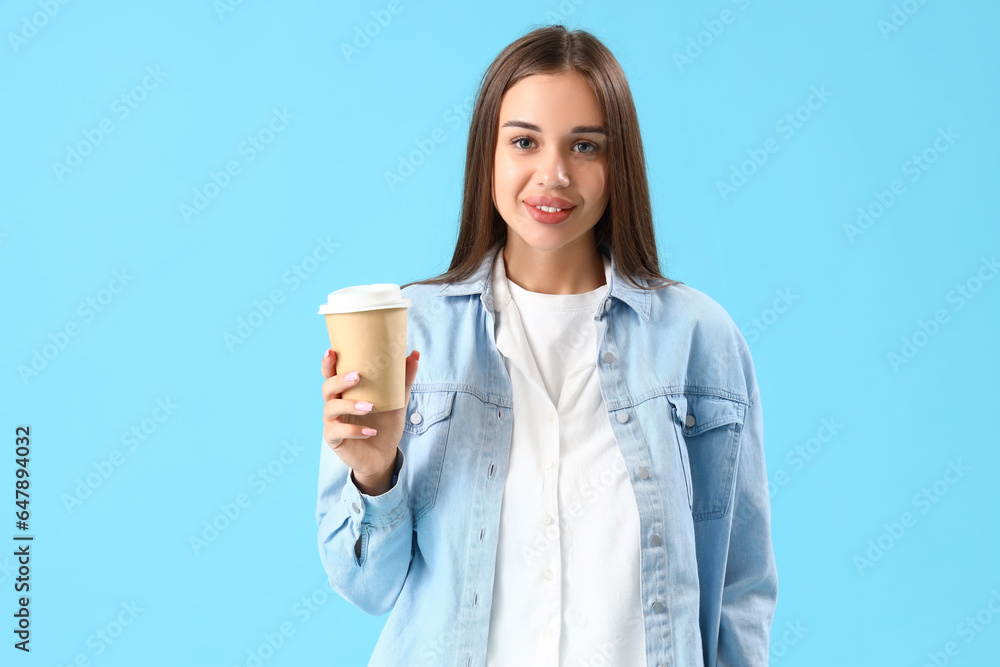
(607, 305)
(609, 357)
(655, 540)
(689, 421)
(642, 473)
(657, 607)
(415, 418)
(622, 417)
(354, 506)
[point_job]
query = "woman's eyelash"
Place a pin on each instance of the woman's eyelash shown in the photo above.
(515, 141)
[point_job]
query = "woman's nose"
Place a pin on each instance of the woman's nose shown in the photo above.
(553, 172)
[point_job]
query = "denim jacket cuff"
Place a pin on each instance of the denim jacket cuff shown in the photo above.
(382, 510)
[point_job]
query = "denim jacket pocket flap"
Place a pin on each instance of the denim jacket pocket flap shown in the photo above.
(709, 426)
(699, 412)
(427, 408)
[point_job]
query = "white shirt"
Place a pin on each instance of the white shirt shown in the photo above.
(566, 587)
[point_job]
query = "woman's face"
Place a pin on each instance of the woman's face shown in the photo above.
(551, 143)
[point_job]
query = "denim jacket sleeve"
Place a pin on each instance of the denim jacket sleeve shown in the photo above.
(384, 523)
(750, 589)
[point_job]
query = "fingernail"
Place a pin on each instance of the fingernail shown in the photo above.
(328, 353)
(369, 431)
(351, 377)
(363, 405)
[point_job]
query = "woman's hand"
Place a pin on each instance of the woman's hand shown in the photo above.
(346, 428)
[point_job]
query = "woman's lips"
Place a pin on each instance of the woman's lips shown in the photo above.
(548, 218)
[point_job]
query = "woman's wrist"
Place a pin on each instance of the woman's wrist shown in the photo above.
(374, 486)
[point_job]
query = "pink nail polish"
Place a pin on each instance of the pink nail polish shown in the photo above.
(351, 377)
(369, 431)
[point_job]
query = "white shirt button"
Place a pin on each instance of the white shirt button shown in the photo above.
(622, 417)
(546, 519)
(415, 418)
(546, 464)
(547, 574)
(689, 421)
(548, 632)
(609, 357)
(552, 417)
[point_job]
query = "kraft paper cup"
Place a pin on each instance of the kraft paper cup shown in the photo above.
(367, 327)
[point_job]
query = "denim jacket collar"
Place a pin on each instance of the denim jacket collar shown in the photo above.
(480, 282)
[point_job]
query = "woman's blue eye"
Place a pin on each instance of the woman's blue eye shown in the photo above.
(516, 142)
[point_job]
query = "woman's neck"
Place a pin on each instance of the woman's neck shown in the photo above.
(568, 270)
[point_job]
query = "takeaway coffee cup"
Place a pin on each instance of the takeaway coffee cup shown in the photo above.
(367, 327)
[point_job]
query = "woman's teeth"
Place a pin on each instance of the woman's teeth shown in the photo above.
(548, 209)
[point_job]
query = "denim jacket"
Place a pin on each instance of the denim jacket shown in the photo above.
(681, 395)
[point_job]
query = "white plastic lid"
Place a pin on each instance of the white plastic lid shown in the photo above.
(364, 297)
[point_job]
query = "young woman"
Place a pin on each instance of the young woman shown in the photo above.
(578, 476)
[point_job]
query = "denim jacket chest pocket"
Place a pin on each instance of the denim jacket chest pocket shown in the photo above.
(426, 428)
(708, 429)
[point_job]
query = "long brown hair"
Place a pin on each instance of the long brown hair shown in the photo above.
(626, 227)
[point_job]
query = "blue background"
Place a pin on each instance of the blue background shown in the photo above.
(832, 306)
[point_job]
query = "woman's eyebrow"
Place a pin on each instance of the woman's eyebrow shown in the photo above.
(579, 129)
